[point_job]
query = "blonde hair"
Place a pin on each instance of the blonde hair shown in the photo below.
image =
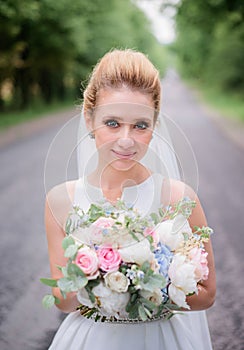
(120, 68)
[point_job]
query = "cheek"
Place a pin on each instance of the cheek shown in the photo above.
(144, 139)
(103, 138)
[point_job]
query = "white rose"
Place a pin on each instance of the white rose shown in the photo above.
(137, 253)
(155, 296)
(117, 281)
(182, 278)
(83, 297)
(171, 231)
(111, 303)
(101, 291)
(178, 296)
(182, 274)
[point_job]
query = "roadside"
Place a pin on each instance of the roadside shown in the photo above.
(30, 127)
(234, 129)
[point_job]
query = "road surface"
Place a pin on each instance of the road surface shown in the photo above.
(24, 324)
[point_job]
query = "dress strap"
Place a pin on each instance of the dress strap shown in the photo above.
(80, 195)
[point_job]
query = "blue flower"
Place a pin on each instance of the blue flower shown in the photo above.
(164, 256)
(140, 274)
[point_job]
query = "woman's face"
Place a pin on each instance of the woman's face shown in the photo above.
(122, 123)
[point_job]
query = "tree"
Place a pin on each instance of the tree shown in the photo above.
(210, 41)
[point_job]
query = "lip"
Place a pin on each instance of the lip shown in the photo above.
(124, 155)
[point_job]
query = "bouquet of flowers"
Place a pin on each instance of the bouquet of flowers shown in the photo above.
(125, 266)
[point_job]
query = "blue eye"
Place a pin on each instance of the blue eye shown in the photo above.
(141, 125)
(112, 123)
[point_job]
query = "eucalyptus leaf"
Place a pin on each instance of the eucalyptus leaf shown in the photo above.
(48, 301)
(133, 312)
(68, 225)
(153, 282)
(67, 241)
(149, 314)
(64, 271)
(145, 266)
(49, 282)
(142, 313)
(67, 285)
(81, 282)
(73, 269)
(148, 304)
(57, 300)
(155, 218)
(93, 283)
(70, 251)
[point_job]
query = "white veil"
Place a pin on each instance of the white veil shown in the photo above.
(169, 152)
(73, 154)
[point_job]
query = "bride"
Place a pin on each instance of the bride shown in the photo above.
(121, 111)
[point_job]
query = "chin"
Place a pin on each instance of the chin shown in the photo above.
(123, 165)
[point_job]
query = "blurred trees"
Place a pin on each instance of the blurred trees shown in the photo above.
(48, 47)
(210, 41)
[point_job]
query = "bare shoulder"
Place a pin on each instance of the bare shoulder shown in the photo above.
(175, 190)
(59, 200)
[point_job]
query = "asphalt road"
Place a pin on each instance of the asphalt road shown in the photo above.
(24, 324)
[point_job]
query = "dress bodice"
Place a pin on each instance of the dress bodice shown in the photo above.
(183, 331)
(146, 196)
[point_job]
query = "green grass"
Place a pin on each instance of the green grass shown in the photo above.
(8, 119)
(229, 105)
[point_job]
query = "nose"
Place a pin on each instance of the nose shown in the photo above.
(125, 140)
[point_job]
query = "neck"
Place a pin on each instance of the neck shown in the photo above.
(111, 179)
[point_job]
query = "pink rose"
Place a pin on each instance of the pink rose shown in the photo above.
(99, 228)
(87, 261)
(103, 222)
(199, 258)
(109, 259)
(150, 232)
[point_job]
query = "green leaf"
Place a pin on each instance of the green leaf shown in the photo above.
(153, 282)
(72, 284)
(68, 226)
(67, 285)
(64, 271)
(81, 282)
(73, 269)
(63, 294)
(93, 283)
(90, 294)
(133, 311)
(133, 298)
(149, 304)
(149, 314)
(71, 251)
(57, 300)
(49, 282)
(48, 301)
(155, 218)
(67, 241)
(145, 266)
(142, 313)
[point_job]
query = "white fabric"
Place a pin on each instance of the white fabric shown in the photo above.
(188, 331)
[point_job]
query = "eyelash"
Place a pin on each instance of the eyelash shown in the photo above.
(140, 125)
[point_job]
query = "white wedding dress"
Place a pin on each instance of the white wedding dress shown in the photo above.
(186, 331)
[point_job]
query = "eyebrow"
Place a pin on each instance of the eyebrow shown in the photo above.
(146, 119)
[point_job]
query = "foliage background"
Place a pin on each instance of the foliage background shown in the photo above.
(48, 47)
(210, 42)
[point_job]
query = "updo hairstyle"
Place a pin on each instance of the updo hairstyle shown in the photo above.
(123, 68)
